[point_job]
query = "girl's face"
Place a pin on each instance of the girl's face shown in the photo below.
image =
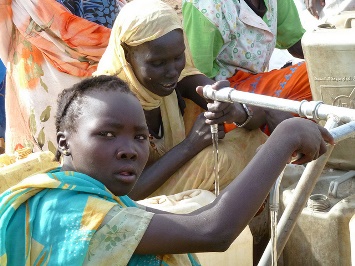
(157, 64)
(111, 141)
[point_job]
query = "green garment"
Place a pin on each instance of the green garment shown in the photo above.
(223, 37)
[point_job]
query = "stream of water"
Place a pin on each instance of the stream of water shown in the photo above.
(214, 131)
(274, 214)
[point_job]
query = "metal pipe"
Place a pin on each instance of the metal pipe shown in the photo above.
(343, 132)
(313, 109)
(275, 194)
(309, 109)
(304, 189)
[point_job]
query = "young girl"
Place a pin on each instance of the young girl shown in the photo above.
(80, 214)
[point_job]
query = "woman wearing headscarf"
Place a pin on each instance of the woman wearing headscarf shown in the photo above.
(147, 39)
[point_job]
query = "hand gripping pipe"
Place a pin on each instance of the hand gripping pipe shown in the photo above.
(313, 110)
(310, 109)
(303, 191)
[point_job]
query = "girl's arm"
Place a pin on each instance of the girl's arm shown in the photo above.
(215, 226)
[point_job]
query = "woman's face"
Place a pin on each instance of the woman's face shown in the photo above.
(111, 141)
(158, 64)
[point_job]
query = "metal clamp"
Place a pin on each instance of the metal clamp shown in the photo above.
(229, 95)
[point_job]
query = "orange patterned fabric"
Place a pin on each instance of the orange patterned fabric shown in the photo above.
(45, 49)
(289, 83)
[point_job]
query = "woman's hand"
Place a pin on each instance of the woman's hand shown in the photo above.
(220, 112)
(200, 135)
(226, 112)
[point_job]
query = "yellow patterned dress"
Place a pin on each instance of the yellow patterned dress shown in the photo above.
(69, 218)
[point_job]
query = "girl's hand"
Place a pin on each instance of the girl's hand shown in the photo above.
(307, 138)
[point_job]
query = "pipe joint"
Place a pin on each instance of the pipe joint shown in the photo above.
(310, 109)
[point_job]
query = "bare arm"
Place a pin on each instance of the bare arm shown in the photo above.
(215, 226)
(296, 50)
(274, 117)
